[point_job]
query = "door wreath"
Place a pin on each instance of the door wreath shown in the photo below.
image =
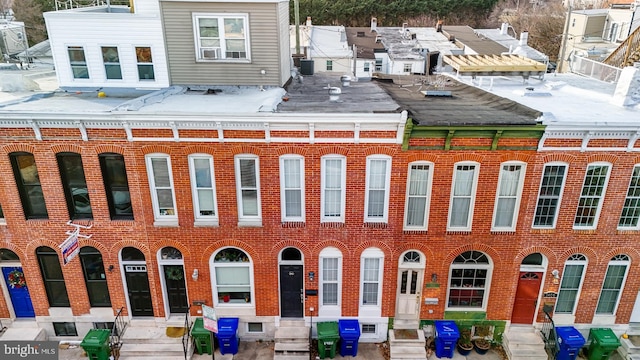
(16, 279)
(174, 272)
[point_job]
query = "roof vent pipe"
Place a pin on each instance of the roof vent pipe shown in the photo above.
(374, 24)
(524, 36)
(309, 21)
(504, 28)
(346, 80)
(334, 94)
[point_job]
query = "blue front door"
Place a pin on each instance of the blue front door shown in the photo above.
(18, 292)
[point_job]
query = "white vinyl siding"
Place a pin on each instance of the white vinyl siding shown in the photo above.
(163, 196)
(416, 209)
(463, 193)
(377, 186)
(221, 37)
(203, 189)
(330, 300)
(333, 184)
(631, 210)
(510, 183)
(550, 195)
(248, 190)
(571, 284)
(292, 188)
(592, 196)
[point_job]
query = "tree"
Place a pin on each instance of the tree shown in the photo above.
(30, 12)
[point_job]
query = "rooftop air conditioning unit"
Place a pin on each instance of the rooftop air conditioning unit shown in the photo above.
(211, 53)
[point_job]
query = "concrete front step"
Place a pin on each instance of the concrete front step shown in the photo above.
(408, 353)
(395, 341)
(292, 323)
(292, 334)
(24, 333)
(151, 350)
(146, 335)
(290, 357)
(291, 348)
(405, 324)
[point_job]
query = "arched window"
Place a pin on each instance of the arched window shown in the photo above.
(132, 254)
(95, 277)
(52, 277)
(232, 274)
(572, 278)
(8, 255)
(613, 284)
(469, 279)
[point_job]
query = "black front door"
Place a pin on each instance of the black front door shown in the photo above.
(291, 291)
(138, 289)
(176, 288)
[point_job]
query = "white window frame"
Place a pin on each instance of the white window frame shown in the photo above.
(471, 265)
(161, 219)
(3, 220)
(368, 218)
(600, 198)
(203, 220)
(371, 309)
(343, 188)
(574, 260)
(248, 220)
(222, 57)
(632, 198)
(138, 63)
(367, 67)
(517, 196)
(283, 188)
(410, 196)
(617, 260)
(407, 68)
(472, 197)
(78, 64)
(543, 197)
(110, 63)
(329, 65)
(329, 310)
(214, 285)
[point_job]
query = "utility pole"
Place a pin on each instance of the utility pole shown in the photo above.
(565, 38)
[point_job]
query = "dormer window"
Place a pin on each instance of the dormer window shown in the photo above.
(221, 37)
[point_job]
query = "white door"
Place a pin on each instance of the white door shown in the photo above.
(408, 299)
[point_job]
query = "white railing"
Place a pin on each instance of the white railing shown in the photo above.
(594, 69)
(73, 4)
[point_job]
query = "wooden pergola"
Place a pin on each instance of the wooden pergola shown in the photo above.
(495, 65)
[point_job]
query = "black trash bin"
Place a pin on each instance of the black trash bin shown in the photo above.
(570, 342)
(349, 336)
(228, 335)
(447, 334)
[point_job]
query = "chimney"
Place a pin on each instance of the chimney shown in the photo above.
(374, 24)
(439, 26)
(308, 21)
(627, 91)
(504, 28)
(524, 36)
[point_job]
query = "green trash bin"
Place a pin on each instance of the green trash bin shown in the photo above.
(96, 344)
(202, 337)
(328, 336)
(603, 343)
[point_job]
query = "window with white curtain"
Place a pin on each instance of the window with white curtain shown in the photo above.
(248, 190)
(631, 210)
(377, 184)
(161, 184)
(333, 184)
(572, 278)
(416, 208)
(330, 282)
(463, 192)
(292, 188)
(232, 278)
(371, 270)
(505, 213)
(549, 196)
(592, 195)
(613, 284)
(203, 188)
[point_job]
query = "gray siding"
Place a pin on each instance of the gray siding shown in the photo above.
(286, 64)
(264, 40)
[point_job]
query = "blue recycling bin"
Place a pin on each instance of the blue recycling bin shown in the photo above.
(447, 334)
(349, 336)
(228, 335)
(570, 341)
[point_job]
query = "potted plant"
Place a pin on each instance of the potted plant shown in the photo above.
(464, 342)
(482, 345)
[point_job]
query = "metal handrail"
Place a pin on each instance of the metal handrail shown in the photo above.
(549, 336)
(117, 330)
(186, 337)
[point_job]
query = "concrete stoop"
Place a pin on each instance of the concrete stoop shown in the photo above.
(407, 349)
(291, 341)
(627, 350)
(151, 343)
(524, 343)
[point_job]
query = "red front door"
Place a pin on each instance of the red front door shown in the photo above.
(526, 304)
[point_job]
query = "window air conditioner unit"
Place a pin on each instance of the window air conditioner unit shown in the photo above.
(211, 53)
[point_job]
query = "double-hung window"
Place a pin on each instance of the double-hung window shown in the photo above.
(203, 189)
(29, 187)
(74, 185)
(248, 190)
(221, 36)
(333, 184)
(572, 278)
(371, 270)
(377, 184)
(330, 282)
(52, 277)
(508, 196)
(592, 195)
(78, 62)
(111, 61)
(116, 185)
(161, 185)
(463, 193)
(613, 284)
(2, 219)
(145, 63)
(416, 208)
(631, 210)
(292, 188)
(551, 186)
